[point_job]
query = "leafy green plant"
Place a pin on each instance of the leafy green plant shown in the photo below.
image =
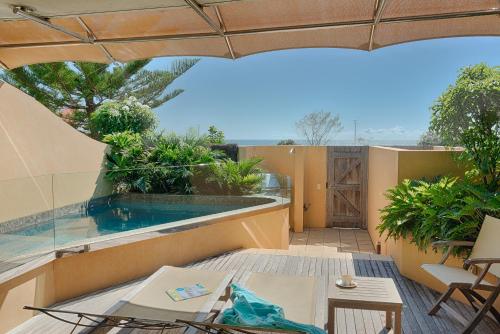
(482, 153)
(126, 115)
(125, 162)
(156, 163)
(215, 136)
(447, 209)
(235, 178)
(287, 142)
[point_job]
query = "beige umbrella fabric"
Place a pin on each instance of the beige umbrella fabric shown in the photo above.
(37, 31)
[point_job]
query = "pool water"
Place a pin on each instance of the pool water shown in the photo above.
(100, 220)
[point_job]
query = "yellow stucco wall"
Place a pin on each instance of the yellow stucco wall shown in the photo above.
(427, 164)
(315, 186)
(80, 274)
(388, 167)
(382, 175)
(32, 288)
(35, 145)
(306, 165)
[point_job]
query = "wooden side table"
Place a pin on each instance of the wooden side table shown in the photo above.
(372, 293)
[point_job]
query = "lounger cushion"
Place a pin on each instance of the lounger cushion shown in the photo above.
(296, 295)
(150, 301)
(449, 275)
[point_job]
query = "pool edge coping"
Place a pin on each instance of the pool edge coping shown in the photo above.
(160, 231)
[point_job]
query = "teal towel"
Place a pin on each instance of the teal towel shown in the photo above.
(250, 310)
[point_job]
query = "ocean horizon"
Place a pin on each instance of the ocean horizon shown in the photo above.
(338, 142)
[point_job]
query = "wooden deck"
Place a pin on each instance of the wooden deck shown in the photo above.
(417, 299)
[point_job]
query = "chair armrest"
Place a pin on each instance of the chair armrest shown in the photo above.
(450, 244)
(475, 261)
(453, 243)
(486, 261)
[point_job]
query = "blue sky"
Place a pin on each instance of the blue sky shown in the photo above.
(388, 91)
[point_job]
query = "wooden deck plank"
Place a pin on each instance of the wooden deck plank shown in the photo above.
(416, 297)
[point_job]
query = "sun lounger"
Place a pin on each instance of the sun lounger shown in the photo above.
(301, 297)
(148, 307)
(149, 300)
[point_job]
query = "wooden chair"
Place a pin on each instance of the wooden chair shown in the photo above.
(485, 256)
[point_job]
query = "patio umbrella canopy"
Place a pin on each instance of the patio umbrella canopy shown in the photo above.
(37, 31)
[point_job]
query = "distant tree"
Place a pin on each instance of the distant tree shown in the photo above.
(287, 142)
(215, 136)
(430, 139)
(83, 87)
(128, 115)
(473, 101)
(318, 127)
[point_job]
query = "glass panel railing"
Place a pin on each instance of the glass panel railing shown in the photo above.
(26, 220)
(46, 213)
(91, 207)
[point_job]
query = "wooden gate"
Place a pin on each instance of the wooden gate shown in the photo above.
(347, 175)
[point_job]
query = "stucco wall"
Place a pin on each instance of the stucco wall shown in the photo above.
(80, 274)
(387, 168)
(382, 175)
(306, 165)
(35, 145)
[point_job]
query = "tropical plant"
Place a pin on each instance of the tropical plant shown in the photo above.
(235, 178)
(446, 209)
(82, 87)
(473, 101)
(215, 136)
(287, 142)
(318, 127)
(127, 115)
(126, 161)
(156, 163)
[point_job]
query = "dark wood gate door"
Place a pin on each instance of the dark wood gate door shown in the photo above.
(347, 173)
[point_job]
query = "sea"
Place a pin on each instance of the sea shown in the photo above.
(340, 142)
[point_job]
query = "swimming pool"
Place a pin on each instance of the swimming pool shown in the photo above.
(114, 215)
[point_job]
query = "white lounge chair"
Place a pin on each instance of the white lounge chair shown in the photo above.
(486, 256)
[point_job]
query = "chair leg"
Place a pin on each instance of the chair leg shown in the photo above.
(482, 312)
(493, 310)
(471, 300)
(444, 297)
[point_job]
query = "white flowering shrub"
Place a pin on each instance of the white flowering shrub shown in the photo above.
(118, 116)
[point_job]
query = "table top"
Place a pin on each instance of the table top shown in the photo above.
(370, 290)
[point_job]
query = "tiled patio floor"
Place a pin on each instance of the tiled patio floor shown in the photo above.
(326, 241)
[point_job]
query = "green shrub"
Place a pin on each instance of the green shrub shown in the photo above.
(127, 115)
(215, 136)
(235, 178)
(156, 163)
(126, 161)
(446, 209)
(287, 142)
(482, 156)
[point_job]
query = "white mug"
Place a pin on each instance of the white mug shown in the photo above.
(346, 279)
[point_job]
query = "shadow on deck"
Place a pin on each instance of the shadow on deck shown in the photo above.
(417, 298)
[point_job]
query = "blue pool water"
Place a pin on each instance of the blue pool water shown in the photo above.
(98, 220)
